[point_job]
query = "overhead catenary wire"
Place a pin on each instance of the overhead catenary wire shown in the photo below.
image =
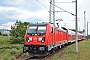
(57, 7)
(66, 2)
(65, 10)
(42, 4)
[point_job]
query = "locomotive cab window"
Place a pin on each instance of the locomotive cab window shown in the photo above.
(37, 30)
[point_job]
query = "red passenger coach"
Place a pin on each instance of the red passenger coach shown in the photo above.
(43, 38)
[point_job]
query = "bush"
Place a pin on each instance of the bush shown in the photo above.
(19, 47)
(2, 50)
(13, 52)
(0, 33)
(18, 40)
(4, 34)
(18, 31)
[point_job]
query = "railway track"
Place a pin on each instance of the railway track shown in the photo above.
(49, 57)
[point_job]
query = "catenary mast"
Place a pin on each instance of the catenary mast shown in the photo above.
(52, 12)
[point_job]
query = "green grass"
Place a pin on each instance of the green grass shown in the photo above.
(9, 54)
(83, 54)
(68, 54)
(4, 41)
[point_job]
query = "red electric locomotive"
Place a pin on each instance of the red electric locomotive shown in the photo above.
(42, 38)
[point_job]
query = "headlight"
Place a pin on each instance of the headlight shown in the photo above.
(43, 41)
(40, 39)
(30, 39)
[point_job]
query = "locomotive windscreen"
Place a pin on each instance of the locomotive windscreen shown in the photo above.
(38, 30)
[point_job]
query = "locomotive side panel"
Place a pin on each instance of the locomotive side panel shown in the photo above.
(49, 35)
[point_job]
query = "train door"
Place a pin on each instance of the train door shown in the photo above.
(66, 37)
(52, 40)
(52, 34)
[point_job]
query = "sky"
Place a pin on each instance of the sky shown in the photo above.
(34, 11)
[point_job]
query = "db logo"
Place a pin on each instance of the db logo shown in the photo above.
(35, 39)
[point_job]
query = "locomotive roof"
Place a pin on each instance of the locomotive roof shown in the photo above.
(38, 24)
(61, 29)
(71, 32)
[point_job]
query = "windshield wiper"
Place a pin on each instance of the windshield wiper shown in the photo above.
(36, 29)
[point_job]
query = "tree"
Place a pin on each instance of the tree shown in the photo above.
(0, 33)
(18, 32)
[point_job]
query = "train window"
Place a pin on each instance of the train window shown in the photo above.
(52, 30)
(37, 29)
(41, 29)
